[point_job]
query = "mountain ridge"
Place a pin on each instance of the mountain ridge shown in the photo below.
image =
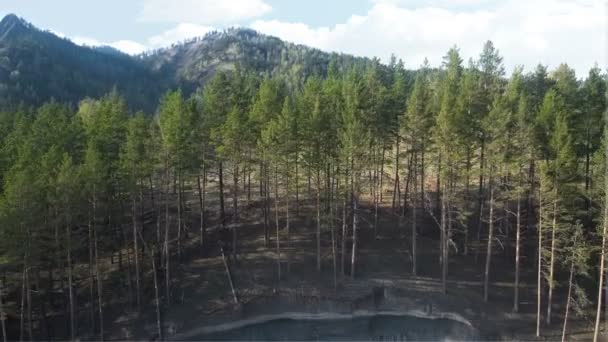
(37, 65)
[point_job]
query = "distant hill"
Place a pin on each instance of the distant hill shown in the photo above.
(37, 65)
(193, 62)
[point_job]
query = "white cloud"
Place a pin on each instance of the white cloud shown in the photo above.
(128, 46)
(436, 3)
(544, 31)
(80, 40)
(179, 33)
(204, 12)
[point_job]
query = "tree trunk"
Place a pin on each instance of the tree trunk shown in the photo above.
(396, 185)
(444, 257)
(2, 313)
(262, 177)
(201, 205)
(135, 256)
(334, 222)
(414, 210)
(267, 199)
(308, 171)
(570, 281)
(59, 257)
(263, 193)
(540, 259)
(68, 236)
(439, 202)
(179, 216)
(407, 183)
(422, 179)
(517, 251)
(235, 209)
(374, 176)
(297, 180)
(90, 271)
(382, 172)
(22, 311)
(128, 269)
(276, 217)
(166, 249)
(552, 260)
(486, 278)
(159, 325)
(602, 254)
(376, 200)
(229, 275)
(158, 212)
(99, 279)
(354, 251)
(480, 190)
(318, 205)
(448, 235)
(28, 296)
(248, 184)
(587, 171)
(44, 321)
(479, 226)
(222, 211)
(287, 223)
(344, 223)
(467, 196)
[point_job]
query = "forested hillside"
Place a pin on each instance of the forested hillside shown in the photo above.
(37, 66)
(193, 62)
(277, 172)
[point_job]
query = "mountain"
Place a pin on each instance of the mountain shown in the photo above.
(37, 65)
(193, 62)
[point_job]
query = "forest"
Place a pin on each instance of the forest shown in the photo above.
(102, 209)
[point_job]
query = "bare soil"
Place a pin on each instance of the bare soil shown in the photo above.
(202, 296)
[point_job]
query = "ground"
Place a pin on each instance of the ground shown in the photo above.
(202, 297)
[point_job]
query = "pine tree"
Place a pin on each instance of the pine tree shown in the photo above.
(68, 197)
(216, 105)
(415, 124)
(135, 159)
(265, 107)
(233, 134)
(589, 131)
(93, 171)
(560, 170)
(447, 137)
(353, 137)
(603, 166)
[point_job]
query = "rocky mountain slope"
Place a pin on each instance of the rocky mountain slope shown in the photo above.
(37, 65)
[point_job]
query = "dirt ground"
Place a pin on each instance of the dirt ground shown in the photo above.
(202, 297)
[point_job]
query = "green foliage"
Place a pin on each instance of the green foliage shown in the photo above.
(179, 130)
(66, 170)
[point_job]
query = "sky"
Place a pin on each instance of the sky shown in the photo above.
(526, 32)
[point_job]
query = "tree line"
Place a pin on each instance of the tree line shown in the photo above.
(97, 197)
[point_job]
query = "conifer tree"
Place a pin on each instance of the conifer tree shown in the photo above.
(266, 106)
(216, 105)
(415, 125)
(353, 137)
(447, 137)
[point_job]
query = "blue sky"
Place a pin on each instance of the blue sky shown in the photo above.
(526, 32)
